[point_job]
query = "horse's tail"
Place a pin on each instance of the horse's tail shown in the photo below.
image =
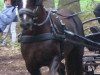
(54, 66)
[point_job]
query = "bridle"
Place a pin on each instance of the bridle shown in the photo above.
(31, 13)
(41, 37)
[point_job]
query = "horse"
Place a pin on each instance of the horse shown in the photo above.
(40, 38)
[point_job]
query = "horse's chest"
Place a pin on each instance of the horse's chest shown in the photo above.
(42, 51)
(46, 51)
(46, 47)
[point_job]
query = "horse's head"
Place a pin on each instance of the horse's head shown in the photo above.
(31, 12)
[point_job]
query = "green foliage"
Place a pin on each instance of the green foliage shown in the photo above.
(86, 5)
(56, 2)
(1, 4)
(97, 0)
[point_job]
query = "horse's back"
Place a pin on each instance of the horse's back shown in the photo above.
(72, 22)
(73, 52)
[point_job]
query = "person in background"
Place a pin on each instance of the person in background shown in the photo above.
(8, 21)
(11, 30)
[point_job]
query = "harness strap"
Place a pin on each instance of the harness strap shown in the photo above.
(41, 37)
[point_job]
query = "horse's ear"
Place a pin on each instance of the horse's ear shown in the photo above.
(14, 2)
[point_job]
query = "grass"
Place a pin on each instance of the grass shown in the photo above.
(86, 16)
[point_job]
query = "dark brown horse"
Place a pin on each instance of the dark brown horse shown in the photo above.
(40, 41)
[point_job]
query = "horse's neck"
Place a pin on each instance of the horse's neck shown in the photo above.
(47, 27)
(41, 16)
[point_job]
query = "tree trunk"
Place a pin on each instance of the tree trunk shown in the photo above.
(49, 3)
(73, 5)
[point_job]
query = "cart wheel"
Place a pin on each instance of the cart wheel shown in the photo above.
(89, 69)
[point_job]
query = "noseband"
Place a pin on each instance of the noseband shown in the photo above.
(26, 11)
(31, 13)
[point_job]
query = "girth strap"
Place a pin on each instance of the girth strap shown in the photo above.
(41, 37)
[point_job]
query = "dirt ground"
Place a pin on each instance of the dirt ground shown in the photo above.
(12, 63)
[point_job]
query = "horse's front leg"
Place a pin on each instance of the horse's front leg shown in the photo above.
(57, 66)
(74, 62)
(33, 69)
(61, 69)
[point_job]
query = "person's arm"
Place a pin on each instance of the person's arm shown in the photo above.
(8, 17)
